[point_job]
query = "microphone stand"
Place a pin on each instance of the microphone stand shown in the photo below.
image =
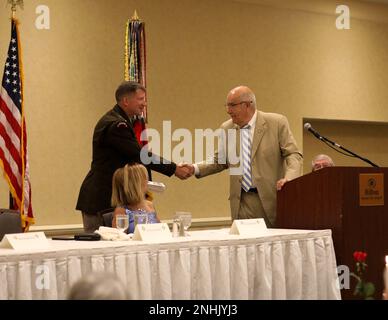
(348, 151)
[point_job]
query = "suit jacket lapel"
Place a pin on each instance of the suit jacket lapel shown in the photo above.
(260, 128)
(238, 131)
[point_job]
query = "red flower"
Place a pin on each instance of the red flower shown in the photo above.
(359, 256)
(363, 289)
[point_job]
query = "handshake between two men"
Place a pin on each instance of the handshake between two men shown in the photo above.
(268, 152)
(184, 171)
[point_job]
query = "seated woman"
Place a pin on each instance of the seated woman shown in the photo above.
(129, 186)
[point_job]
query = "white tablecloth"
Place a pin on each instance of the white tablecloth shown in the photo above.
(282, 264)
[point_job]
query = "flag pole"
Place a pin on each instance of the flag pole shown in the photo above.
(13, 16)
(135, 17)
(13, 8)
(14, 4)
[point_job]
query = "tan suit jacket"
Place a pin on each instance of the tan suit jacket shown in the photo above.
(274, 153)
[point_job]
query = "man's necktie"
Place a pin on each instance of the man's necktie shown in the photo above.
(246, 158)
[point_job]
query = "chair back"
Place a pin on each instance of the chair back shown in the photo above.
(108, 219)
(10, 222)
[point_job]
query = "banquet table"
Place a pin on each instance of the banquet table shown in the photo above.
(206, 265)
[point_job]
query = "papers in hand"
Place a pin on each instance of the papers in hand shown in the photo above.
(156, 186)
(112, 234)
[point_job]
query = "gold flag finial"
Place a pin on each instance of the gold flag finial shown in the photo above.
(135, 16)
(14, 4)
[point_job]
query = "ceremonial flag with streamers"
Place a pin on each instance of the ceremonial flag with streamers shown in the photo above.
(135, 66)
(13, 135)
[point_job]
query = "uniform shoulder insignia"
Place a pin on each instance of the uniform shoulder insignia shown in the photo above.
(122, 124)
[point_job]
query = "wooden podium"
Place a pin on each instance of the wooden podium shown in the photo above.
(330, 199)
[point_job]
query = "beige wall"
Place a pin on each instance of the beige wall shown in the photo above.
(290, 54)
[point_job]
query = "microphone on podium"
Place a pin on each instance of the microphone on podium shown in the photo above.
(308, 127)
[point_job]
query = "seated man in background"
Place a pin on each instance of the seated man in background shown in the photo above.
(321, 161)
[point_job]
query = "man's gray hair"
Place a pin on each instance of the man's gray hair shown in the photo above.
(98, 286)
(249, 96)
(320, 157)
(127, 88)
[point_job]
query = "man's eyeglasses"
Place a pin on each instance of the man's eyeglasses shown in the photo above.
(232, 105)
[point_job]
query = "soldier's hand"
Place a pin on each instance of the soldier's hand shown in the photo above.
(184, 171)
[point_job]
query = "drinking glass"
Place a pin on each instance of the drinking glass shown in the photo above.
(122, 222)
(185, 217)
(140, 217)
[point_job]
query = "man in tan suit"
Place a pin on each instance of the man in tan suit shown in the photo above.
(273, 157)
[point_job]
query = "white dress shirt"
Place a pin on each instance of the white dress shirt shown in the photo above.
(251, 122)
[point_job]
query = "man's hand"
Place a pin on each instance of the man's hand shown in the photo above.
(281, 183)
(184, 170)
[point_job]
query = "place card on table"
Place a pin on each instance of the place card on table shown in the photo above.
(25, 241)
(248, 227)
(153, 232)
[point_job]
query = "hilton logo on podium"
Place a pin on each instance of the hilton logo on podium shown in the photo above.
(371, 189)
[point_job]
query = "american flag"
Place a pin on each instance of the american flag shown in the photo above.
(13, 137)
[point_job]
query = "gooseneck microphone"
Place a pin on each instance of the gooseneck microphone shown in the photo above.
(308, 127)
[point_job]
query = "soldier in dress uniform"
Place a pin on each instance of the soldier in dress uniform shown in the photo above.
(115, 145)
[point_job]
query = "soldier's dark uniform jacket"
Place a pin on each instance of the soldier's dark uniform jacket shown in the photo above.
(114, 145)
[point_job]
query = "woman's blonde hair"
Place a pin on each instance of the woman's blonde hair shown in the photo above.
(127, 185)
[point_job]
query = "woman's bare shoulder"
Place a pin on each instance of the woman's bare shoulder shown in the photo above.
(119, 210)
(150, 205)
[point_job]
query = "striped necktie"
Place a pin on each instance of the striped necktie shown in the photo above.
(246, 158)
